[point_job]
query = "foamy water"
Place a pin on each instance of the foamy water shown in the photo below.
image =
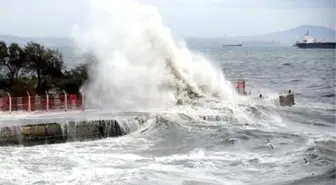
(139, 63)
(211, 139)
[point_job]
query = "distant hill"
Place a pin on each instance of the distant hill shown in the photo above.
(292, 35)
(286, 37)
(65, 45)
(48, 41)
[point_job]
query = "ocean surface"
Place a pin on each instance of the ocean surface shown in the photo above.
(280, 146)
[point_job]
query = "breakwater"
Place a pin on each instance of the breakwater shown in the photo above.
(53, 129)
(50, 129)
(56, 132)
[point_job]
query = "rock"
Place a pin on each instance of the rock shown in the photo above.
(287, 100)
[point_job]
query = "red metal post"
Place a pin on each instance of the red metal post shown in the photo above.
(65, 101)
(10, 103)
(29, 102)
(47, 101)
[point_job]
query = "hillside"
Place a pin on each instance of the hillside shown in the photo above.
(286, 37)
(292, 35)
(48, 41)
(64, 44)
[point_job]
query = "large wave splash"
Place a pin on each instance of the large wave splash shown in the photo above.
(139, 65)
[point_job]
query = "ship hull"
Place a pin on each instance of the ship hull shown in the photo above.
(318, 45)
(230, 45)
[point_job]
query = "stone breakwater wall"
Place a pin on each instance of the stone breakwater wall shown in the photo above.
(58, 132)
(57, 129)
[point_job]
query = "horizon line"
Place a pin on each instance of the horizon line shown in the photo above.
(224, 35)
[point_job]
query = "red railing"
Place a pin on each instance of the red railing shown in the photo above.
(45, 102)
(59, 102)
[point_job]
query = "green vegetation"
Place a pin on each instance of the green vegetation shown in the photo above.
(36, 69)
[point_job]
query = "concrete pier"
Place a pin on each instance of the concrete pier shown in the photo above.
(37, 128)
(56, 128)
(29, 129)
(56, 132)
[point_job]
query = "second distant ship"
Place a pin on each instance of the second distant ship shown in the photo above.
(229, 45)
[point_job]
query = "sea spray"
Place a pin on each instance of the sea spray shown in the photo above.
(139, 65)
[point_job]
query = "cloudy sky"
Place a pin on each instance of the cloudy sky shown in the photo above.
(205, 18)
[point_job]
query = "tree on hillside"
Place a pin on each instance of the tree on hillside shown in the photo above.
(46, 64)
(12, 60)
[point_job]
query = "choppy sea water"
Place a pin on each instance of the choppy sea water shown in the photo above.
(285, 145)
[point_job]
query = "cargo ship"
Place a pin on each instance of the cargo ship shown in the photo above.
(311, 43)
(230, 45)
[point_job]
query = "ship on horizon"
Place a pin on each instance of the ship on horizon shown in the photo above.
(311, 43)
(229, 45)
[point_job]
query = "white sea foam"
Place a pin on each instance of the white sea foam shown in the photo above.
(139, 64)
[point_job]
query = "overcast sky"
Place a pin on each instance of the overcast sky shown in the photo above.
(206, 18)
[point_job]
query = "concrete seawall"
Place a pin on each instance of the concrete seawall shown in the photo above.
(57, 129)
(57, 132)
(68, 127)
